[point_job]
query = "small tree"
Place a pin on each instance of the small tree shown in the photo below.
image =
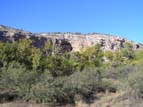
(128, 51)
(109, 55)
(94, 55)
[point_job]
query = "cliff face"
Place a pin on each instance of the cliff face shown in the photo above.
(67, 41)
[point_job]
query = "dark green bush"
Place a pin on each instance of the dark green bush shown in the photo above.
(18, 78)
(65, 89)
(135, 81)
(50, 76)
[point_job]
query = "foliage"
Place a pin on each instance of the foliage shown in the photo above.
(50, 76)
(18, 78)
(93, 55)
(109, 55)
(128, 51)
(135, 81)
(139, 56)
(65, 89)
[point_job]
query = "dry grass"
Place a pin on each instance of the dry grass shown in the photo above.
(20, 105)
(119, 99)
(106, 100)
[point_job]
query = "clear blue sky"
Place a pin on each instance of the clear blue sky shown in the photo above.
(117, 17)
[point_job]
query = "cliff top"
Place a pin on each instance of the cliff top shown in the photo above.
(76, 40)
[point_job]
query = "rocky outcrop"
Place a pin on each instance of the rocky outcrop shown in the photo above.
(67, 41)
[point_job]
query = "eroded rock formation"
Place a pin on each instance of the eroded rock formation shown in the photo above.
(67, 41)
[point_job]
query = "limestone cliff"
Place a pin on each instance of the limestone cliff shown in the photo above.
(68, 41)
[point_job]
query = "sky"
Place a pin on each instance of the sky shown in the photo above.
(116, 17)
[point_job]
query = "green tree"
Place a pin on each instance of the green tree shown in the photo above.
(94, 55)
(109, 55)
(36, 57)
(18, 78)
(8, 52)
(128, 51)
(138, 56)
(59, 65)
(51, 48)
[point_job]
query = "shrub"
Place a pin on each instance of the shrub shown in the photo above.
(18, 78)
(135, 81)
(66, 89)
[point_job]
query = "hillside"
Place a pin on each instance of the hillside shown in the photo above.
(69, 70)
(68, 41)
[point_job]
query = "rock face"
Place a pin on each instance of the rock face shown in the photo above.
(67, 41)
